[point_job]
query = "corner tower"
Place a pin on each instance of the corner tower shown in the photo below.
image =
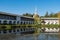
(35, 13)
(36, 16)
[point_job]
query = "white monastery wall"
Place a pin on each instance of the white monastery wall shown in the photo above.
(51, 21)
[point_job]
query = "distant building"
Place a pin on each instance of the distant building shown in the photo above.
(12, 23)
(7, 18)
(50, 20)
(13, 20)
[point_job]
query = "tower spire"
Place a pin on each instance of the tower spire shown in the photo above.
(35, 10)
(35, 13)
(36, 17)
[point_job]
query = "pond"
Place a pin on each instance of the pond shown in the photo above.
(40, 36)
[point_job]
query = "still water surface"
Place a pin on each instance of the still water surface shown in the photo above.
(41, 36)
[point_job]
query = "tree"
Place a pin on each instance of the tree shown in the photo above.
(27, 14)
(51, 15)
(55, 15)
(46, 15)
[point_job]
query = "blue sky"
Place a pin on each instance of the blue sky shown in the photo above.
(22, 6)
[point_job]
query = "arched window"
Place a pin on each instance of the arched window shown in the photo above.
(26, 22)
(21, 29)
(10, 22)
(14, 30)
(24, 29)
(56, 22)
(14, 22)
(43, 22)
(17, 30)
(0, 21)
(17, 22)
(4, 31)
(48, 23)
(5, 22)
(52, 23)
(10, 31)
(0, 31)
(21, 22)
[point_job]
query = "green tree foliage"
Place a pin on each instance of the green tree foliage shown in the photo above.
(55, 15)
(27, 14)
(46, 15)
(51, 14)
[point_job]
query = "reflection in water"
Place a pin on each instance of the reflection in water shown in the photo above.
(49, 36)
(41, 36)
